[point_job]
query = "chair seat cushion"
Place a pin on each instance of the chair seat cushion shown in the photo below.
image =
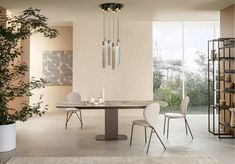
(140, 122)
(174, 115)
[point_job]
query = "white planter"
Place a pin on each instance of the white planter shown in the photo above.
(7, 137)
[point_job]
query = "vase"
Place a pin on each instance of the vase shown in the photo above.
(232, 121)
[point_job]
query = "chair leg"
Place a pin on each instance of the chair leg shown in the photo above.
(164, 125)
(189, 128)
(149, 140)
(145, 134)
(186, 129)
(79, 118)
(159, 139)
(168, 122)
(66, 121)
(68, 118)
(132, 128)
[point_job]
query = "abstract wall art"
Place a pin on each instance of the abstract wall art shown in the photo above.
(57, 67)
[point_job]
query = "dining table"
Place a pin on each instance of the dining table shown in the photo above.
(111, 109)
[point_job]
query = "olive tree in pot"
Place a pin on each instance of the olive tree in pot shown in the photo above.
(12, 72)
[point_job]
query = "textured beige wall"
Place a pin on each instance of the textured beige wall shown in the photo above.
(227, 21)
(131, 81)
(38, 43)
(25, 57)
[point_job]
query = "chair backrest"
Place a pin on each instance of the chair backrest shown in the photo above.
(74, 97)
(184, 105)
(151, 113)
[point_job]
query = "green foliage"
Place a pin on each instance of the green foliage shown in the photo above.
(172, 98)
(202, 62)
(12, 85)
(196, 89)
(168, 87)
(157, 75)
(174, 83)
(157, 80)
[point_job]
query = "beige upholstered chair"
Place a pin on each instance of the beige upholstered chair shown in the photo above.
(151, 113)
(182, 115)
(73, 97)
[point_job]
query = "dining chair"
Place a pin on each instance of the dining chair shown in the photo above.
(150, 113)
(73, 97)
(182, 115)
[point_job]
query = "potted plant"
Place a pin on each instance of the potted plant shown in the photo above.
(12, 72)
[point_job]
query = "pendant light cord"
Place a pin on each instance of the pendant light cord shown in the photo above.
(117, 26)
(104, 25)
(113, 25)
(109, 22)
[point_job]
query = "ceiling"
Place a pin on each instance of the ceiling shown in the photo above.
(145, 10)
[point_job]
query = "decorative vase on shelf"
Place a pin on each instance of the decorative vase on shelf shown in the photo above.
(232, 121)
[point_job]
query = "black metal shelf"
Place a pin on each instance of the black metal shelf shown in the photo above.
(226, 81)
(228, 46)
(223, 59)
(229, 71)
(228, 92)
(225, 107)
(221, 39)
(227, 125)
(227, 58)
(221, 50)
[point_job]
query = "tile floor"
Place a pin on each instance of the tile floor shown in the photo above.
(46, 136)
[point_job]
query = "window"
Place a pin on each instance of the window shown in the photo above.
(180, 62)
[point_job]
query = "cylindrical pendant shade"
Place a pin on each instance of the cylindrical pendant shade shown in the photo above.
(113, 56)
(118, 52)
(104, 53)
(109, 52)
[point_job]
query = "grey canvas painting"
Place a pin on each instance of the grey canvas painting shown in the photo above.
(57, 67)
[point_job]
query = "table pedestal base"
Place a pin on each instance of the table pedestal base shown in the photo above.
(102, 138)
(111, 127)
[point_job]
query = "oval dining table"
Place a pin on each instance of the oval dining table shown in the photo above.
(111, 114)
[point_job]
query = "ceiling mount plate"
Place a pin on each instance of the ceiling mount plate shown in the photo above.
(111, 6)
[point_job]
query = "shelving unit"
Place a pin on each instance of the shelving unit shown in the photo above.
(221, 71)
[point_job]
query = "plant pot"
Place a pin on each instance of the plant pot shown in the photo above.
(7, 137)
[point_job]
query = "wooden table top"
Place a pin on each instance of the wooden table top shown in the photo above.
(108, 104)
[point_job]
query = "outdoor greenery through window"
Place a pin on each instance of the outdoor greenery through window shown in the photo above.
(180, 63)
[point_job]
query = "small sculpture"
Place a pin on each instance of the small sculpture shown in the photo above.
(232, 85)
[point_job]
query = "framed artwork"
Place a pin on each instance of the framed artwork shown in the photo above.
(58, 67)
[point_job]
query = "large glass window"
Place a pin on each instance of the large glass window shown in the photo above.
(180, 62)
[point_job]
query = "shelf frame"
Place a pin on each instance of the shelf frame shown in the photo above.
(214, 85)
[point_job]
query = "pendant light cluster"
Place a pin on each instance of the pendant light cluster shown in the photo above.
(111, 41)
